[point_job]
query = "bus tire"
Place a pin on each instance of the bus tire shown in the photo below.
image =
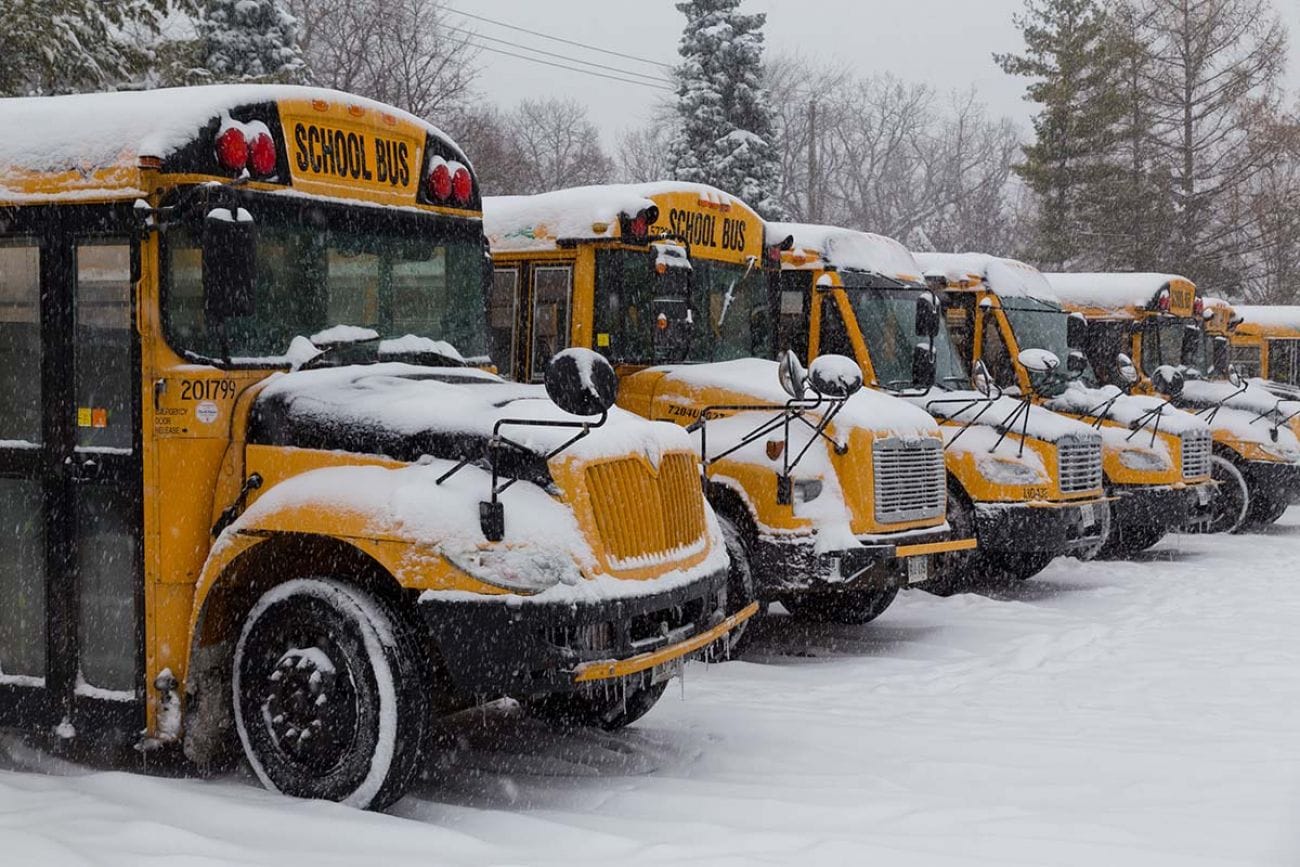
(740, 583)
(851, 608)
(1127, 540)
(1266, 506)
(1014, 566)
(617, 707)
(957, 571)
(329, 695)
(1232, 502)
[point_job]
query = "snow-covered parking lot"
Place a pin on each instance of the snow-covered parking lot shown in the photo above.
(1108, 713)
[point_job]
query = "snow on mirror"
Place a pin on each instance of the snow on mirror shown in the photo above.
(581, 382)
(835, 376)
(1168, 380)
(1039, 360)
(1127, 369)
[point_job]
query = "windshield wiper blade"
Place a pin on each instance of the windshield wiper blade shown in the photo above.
(311, 363)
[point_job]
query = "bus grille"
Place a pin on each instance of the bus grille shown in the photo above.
(1196, 445)
(645, 519)
(1079, 464)
(911, 482)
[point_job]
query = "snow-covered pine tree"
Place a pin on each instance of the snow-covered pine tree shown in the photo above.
(249, 40)
(728, 129)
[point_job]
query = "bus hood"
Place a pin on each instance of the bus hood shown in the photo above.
(406, 412)
(972, 407)
(1126, 409)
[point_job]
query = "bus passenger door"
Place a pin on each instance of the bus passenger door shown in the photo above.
(503, 320)
(552, 297)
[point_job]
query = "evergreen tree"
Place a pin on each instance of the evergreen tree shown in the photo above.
(66, 46)
(728, 130)
(249, 40)
(1068, 55)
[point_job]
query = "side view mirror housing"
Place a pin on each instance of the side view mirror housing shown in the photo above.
(1221, 359)
(581, 382)
(923, 365)
(927, 316)
(1127, 369)
(982, 379)
(1077, 362)
(1168, 381)
(229, 264)
(792, 375)
(836, 377)
(1039, 360)
(1234, 376)
(1076, 331)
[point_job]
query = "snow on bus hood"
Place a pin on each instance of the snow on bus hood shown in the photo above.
(1240, 415)
(968, 405)
(1127, 409)
(755, 379)
(406, 412)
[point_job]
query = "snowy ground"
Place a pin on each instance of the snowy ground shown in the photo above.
(1135, 713)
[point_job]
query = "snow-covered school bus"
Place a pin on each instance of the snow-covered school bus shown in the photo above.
(256, 493)
(1155, 458)
(1025, 481)
(830, 502)
(1147, 333)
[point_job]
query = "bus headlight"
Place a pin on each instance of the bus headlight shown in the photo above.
(524, 569)
(1010, 471)
(1144, 460)
(807, 490)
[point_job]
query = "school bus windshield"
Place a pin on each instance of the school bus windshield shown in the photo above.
(888, 323)
(1042, 325)
(712, 311)
(1162, 343)
(320, 266)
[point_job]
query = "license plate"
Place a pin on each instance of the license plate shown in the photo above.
(918, 569)
(1088, 514)
(1203, 496)
(667, 670)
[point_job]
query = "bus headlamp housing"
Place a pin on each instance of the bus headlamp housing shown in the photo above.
(521, 569)
(1010, 471)
(1144, 460)
(807, 490)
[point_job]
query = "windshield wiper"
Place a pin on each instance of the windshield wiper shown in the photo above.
(731, 290)
(312, 363)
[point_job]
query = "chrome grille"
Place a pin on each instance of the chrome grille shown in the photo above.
(910, 481)
(646, 518)
(1197, 446)
(1079, 463)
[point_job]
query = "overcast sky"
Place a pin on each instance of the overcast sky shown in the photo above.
(946, 43)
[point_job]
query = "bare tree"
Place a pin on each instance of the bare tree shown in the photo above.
(558, 146)
(402, 52)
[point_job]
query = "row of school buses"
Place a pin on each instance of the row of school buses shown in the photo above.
(301, 455)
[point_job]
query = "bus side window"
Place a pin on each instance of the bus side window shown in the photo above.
(993, 351)
(1246, 360)
(792, 322)
(104, 376)
(960, 317)
(551, 290)
(1282, 361)
(20, 341)
(834, 333)
(503, 307)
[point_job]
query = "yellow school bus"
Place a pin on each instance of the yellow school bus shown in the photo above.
(1025, 481)
(1266, 345)
(258, 494)
(828, 505)
(1156, 458)
(1147, 333)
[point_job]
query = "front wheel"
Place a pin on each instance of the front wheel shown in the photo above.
(1019, 565)
(329, 695)
(1232, 501)
(740, 583)
(616, 707)
(847, 607)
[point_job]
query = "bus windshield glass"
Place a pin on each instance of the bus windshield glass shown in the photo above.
(1042, 325)
(1162, 343)
(887, 319)
(712, 311)
(323, 265)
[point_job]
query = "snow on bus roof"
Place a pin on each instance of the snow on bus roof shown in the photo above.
(537, 222)
(1009, 278)
(100, 130)
(1269, 316)
(1113, 290)
(851, 249)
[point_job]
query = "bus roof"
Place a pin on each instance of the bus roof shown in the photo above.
(849, 249)
(1269, 320)
(542, 221)
(1009, 278)
(106, 135)
(1114, 291)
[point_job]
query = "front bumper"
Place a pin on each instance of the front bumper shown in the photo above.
(513, 646)
(1163, 507)
(784, 565)
(1060, 528)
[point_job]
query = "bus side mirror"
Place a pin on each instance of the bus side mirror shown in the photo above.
(1191, 348)
(1221, 359)
(229, 264)
(1077, 362)
(982, 379)
(1234, 376)
(836, 377)
(1168, 381)
(923, 366)
(1039, 360)
(927, 315)
(581, 382)
(1076, 331)
(792, 375)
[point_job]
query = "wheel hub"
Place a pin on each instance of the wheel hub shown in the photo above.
(308, 706)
